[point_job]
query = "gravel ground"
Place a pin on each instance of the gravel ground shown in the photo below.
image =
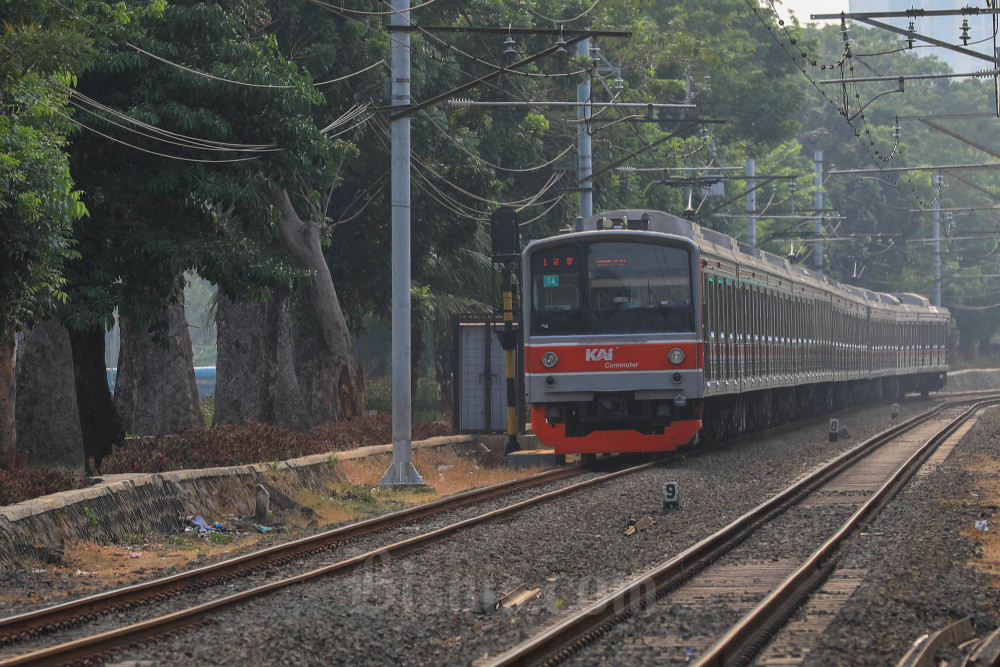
(28, 582)
(427, 609)
(921, 554)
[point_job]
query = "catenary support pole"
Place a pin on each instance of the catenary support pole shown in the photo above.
(751, 202)
(818, 204)
(937, 240)
(401, 472)
(585, 165)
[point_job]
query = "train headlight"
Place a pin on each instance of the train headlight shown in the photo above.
(676, 355)
(549, 359)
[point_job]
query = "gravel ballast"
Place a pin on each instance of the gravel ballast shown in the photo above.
(428, 608)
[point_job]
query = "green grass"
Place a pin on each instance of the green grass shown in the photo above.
(378, 397)
(208, 409)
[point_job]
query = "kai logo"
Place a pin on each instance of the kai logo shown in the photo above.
(599, 353)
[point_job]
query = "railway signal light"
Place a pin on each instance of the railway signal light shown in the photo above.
(505, 236)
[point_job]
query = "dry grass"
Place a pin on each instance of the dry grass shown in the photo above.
(360, 495)
(986, 471)
(353, 493)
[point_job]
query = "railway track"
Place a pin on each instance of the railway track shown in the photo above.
(40, 637)
(746, 581)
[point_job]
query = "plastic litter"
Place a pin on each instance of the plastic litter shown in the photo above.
(135, 554)
(201, 524)
(263, 529)
(983, 525)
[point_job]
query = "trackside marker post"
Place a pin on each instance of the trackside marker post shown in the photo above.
(671, 495)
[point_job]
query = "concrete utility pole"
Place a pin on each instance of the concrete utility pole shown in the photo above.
(585, 157)
(751, 202)
(937, 240)
(401, 472)
(818, 203)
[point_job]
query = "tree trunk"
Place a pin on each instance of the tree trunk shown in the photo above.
(99, 422)
(255, 374)
(48, 424)
(156, 391)
(8, 431)
(266, 370)
(339, 389)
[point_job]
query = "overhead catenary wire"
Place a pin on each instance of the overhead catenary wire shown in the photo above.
(248, 84)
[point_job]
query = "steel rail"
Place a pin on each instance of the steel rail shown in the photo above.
(106, 642)
(79, 611)
(562, 639)
(743, 641)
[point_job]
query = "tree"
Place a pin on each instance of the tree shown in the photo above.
(42, 47)
(216, 193)
(155, 388)
(887, 221)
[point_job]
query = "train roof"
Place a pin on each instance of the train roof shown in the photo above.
(728, 248)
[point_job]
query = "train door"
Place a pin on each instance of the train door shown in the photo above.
(743, 335)
(773, 329)
(754, 331)
(733, 328)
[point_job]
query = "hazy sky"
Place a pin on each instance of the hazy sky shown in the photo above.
(803, 8)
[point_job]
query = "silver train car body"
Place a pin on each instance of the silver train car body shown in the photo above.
(645, 331)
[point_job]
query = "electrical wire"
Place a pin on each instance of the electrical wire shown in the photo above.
(138, 148)
(347, 116)
(420, 166)
(377, 183)
(561, 21)
(490, 164)
(82, 102)
(205, 74)
(391, 12)
(245, 83)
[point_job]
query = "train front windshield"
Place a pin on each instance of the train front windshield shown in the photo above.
(611, 287)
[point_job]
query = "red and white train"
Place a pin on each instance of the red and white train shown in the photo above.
(644, 331)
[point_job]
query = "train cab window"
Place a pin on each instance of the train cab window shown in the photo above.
(611, 287)
(555, 284)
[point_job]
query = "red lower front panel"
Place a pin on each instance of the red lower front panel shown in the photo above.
(611, 442)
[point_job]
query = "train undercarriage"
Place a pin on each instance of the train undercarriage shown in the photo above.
(620, 423)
